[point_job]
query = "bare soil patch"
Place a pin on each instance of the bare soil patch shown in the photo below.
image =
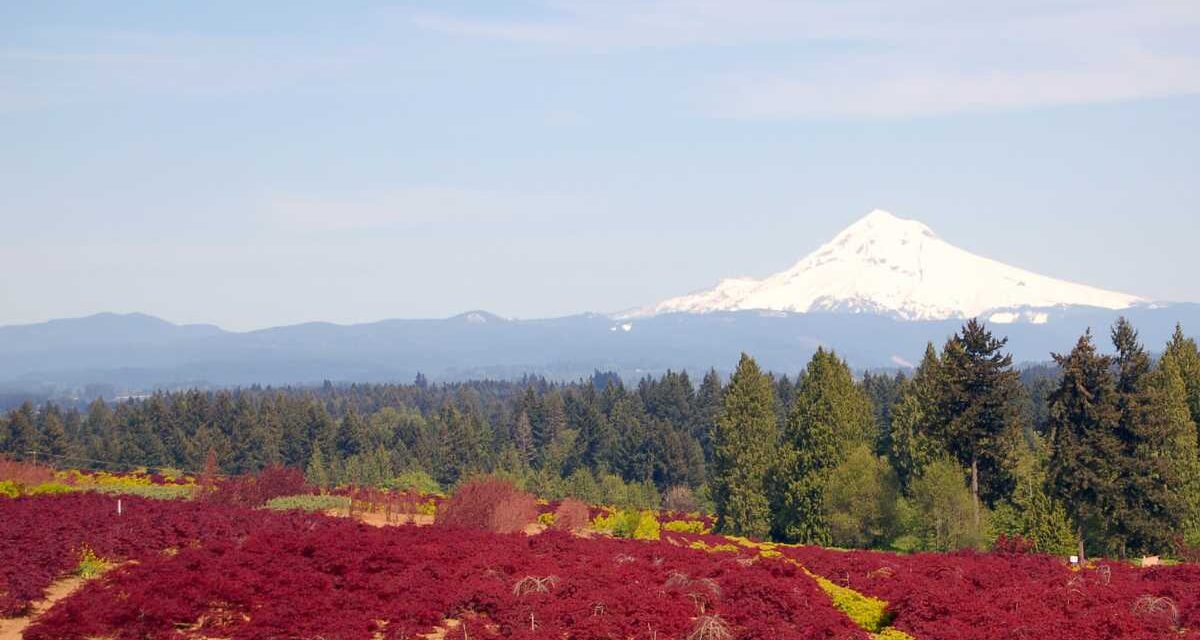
(14, 628)
(381, 519)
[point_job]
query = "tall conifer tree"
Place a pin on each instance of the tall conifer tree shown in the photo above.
(912, 445)
(829, 416)
(1084, 464)
(1186, 355)
(744, 447)
(978, 414)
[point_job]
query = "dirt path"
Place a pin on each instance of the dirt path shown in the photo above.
(380, 519)
(13, 628)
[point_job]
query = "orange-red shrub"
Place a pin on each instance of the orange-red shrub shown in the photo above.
(571, 515)
(24, 473)
(488, 503)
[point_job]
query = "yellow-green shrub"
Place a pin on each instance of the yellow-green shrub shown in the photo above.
(153, 491)
(547, 519)
(686, 526)
(9, 489)
(892, 633)
(90, 565)
(427, 508)
(867, 612)
(308, 503)
(716, 548)
(605, 522)
(639, 525)
(48, 488)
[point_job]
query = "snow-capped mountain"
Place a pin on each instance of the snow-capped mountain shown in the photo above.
(892, 266)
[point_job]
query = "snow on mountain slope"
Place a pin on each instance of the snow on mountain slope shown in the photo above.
(889, 265)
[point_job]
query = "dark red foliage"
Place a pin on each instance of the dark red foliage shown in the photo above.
(1186, 552)
(1013, 544)
(973, 596)
(488, 503)
(255, 490)
(41, 537)
(351, 581)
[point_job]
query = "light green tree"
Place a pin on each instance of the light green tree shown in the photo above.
(941, 514)
(860, 500)
(317, 472)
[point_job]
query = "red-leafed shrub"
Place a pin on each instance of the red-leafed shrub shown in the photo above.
(1013, 544)
(256, 490)
(967, 595)
(571, 515)
(354, 582)
(1186, 552)
(41, 537)
(488, 503)
(513, 513)
(24, 473)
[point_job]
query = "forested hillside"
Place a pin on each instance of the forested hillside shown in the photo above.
(1101, 449)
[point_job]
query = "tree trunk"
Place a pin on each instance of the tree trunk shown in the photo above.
(975, 489)
(1079, 533)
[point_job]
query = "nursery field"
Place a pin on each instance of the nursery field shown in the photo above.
(223, 568)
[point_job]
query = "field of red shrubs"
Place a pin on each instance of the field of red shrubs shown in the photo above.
(212, 568)
(205, 570)
(976, 596)
(41, 538)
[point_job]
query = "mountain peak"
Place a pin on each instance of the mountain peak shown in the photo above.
(879, 217)
(883, 263)
(882, 222)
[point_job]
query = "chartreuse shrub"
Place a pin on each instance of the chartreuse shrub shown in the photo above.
(153, 491)
(547, 519)
(13, 489)
(686, 526)
(605, 522)
(629, 523)
(306, 502)
(415, 480)
(714, 548)
(427, 508)
(867, 612)
(9, 489)
(892, 633)
(90, 565)
(48, 488)
(639, 525)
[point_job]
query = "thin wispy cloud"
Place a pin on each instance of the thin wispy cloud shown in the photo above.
(68, 66)
(872, 58)
(417, 206)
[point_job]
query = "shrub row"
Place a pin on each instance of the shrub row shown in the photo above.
(41, 538)
(351, 581)
(976, 596)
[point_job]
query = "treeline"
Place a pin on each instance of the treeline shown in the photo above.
(961, 451)
(598, 439)
(1101, 449)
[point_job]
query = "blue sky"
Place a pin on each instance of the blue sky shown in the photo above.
(254, 164)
